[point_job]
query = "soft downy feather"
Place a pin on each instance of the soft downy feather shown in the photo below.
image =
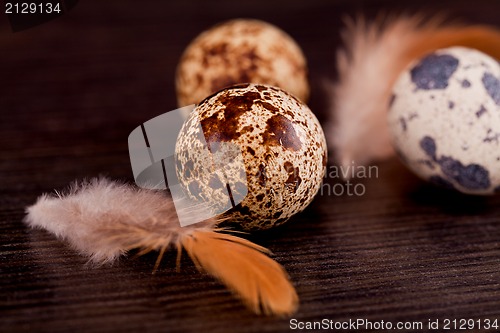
(373, 56)
(103, 220)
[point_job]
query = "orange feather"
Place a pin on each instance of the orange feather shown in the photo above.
(261, 282)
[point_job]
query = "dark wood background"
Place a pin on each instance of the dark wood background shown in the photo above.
(72, 90)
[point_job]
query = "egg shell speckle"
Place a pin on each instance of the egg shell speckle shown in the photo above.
(240, 51)
(445, 120)
(282, 144)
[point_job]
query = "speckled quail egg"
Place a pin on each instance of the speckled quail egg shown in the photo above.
(281, 145)
(240, 51)
(445, 119)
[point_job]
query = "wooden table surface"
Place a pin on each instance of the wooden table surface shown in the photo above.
(72, 89)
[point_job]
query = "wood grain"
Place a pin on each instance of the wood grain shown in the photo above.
(72, 90)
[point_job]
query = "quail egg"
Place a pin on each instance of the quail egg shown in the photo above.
(445, 119)
(280, 144)
(240, 51)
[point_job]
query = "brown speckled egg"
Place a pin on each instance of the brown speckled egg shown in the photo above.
(282, 146)
(240, 51)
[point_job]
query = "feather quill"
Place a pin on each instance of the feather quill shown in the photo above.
(373, 56)
(103, 220)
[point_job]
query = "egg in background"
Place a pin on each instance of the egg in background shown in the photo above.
(240, 51)
(444, 120)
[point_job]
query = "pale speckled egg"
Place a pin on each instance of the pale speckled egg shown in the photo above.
(240, 51)
(281, 143)
(445, 120)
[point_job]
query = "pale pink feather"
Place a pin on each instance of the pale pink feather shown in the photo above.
(103, 219)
